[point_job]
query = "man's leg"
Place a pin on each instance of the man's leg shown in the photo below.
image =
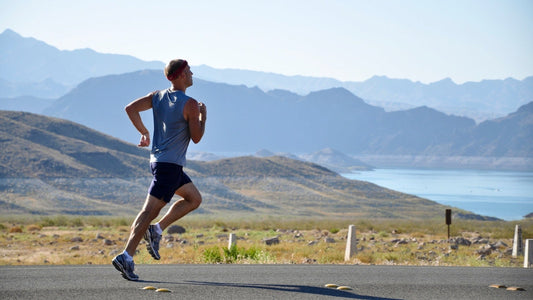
(124, 261)
(152, 207)
(191, 200)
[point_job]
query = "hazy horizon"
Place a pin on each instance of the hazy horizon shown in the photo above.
(346, 40)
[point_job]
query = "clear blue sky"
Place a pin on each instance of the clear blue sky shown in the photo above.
(426, 40)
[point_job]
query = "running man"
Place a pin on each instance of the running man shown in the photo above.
(178, 119)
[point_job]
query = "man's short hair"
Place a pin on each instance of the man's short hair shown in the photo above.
(174, 68)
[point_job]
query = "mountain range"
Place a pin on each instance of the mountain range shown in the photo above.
(480, 101)
(244, 119)
(29, 67)
(54, 166)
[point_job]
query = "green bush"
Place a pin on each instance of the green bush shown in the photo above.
(383, 234)
(232, 255)
(212, 255)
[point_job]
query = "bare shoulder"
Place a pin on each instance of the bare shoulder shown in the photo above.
(191, 101)
(141, 104)
(190, 108)
(191, 104)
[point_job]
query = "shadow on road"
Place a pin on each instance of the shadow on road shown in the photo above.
(305, 289)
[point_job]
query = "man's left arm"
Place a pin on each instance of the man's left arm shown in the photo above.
(196, 114)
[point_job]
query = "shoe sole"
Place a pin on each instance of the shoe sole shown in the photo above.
(121, 270)
(147, 238)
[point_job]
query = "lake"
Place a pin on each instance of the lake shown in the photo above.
(500, 194)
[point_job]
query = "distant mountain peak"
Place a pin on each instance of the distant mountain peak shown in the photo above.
(9, 32)
(10, 40)
(379, 77)
(335, 91)
(526, 108)
(445, 82)
(383, 80)
(264, 153)
(282, 93)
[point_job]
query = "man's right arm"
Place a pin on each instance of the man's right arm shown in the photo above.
(133, 110)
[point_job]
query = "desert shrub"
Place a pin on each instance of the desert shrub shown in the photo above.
(15, 229)
(253, 253)
(212, 255)
(418, 234)
(34, 227)
(383, 234)
(365, 258)
(233, 254)
(392, 257)
(334, 230)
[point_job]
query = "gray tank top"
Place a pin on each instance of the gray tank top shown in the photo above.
(171, 130)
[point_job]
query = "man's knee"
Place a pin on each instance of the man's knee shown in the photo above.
(195, 201)
(190, 193)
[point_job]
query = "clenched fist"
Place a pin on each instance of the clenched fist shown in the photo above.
(145, 140)
(203, 111)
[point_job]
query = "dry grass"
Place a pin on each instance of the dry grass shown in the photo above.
(92, 240)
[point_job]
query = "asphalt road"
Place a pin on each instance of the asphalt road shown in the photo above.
(263, 282)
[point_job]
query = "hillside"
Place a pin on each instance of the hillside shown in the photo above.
(499, 136)
(52, 166)
(35, 146)
(282, 186)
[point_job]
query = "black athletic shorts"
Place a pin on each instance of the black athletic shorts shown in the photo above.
(168, 177)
